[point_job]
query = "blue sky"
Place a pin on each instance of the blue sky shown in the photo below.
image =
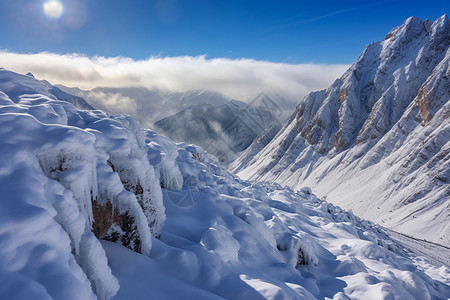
(320, 32)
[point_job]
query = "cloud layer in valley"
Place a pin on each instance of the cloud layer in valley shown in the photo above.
(240, 79)
(158, 87)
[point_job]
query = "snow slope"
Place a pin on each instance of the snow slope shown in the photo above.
(377, 140)
(69, 177)
(236, 239)
(435, 253)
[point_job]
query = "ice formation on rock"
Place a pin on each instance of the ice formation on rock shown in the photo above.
(73, 174)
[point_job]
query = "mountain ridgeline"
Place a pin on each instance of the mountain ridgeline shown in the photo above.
(378, 139)
(221, 130)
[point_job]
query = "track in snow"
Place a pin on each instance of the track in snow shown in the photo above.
(436, 254)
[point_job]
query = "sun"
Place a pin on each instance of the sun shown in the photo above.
(53, 9)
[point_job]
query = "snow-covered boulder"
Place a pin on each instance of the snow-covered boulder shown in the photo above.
(69, 176)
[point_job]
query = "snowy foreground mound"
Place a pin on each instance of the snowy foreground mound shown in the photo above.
(69, 178)
(378, 139)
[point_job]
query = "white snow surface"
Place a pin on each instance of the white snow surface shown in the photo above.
(219, 237)
(54, 160)
(377, 141)
(228, 238)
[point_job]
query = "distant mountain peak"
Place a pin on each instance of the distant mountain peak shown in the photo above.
(222, 131)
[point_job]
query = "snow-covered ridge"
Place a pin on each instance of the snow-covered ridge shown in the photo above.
(81, 189)
(77, 101)
(377, 139)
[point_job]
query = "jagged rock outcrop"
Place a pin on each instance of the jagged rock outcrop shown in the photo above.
(377, 139)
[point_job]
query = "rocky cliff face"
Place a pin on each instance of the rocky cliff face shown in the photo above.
(377, 140)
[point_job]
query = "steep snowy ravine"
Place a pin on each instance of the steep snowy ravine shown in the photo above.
(69, 177)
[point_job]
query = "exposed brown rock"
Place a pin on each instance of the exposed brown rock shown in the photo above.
(308, 136)
(388, 36)
(104, 217)
(424, 102)
(320, 123)
(340, 144)
(297, 118)
(111, 225)
(362, 136)
(313, 132)
(343, 95)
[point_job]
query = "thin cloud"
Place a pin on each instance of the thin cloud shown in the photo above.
(296, 19)
(341, 11)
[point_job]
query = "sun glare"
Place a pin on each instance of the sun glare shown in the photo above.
(53, 9)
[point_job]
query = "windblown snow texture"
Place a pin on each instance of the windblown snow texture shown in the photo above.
(377, 141)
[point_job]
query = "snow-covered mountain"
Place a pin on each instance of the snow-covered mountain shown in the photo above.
(147, 106)
(44, 88)
(77, 101)
(377, 141)
(223, 130)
